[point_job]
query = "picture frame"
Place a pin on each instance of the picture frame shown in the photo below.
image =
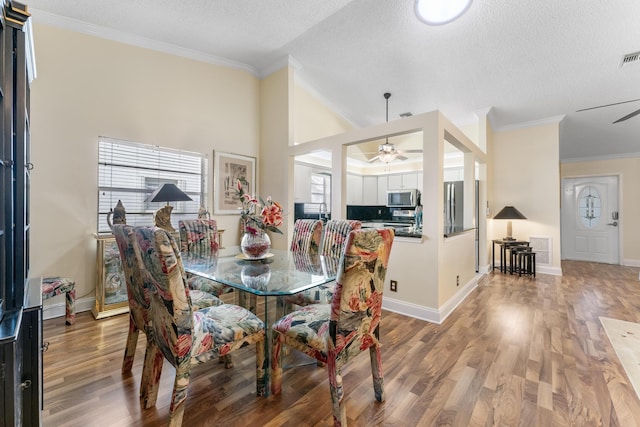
(227, 169)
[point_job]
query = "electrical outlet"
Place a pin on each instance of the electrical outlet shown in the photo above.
(458, 280)
(393, 286)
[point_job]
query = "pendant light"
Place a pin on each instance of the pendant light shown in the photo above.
(386, 152)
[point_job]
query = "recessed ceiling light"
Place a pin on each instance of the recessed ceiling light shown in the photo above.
(439, 12)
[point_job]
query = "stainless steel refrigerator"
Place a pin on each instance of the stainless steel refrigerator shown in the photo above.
(453, 206)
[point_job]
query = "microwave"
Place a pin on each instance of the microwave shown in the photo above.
(407, 198)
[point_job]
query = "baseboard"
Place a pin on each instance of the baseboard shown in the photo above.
(545, 269)
(632, 262)
(484, 269)
(427, 313)
(50, 311)
(548, 269)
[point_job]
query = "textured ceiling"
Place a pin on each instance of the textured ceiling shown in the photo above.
(528, 61)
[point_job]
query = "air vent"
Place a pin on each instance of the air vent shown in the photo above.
(630, 58)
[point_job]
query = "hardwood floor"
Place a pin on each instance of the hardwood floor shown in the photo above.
(517, 351)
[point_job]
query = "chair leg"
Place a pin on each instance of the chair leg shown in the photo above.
(277, 343)
(151, 370)
(261, 378)
(376, 372)
(130, 349)
(179, 396)
(70, 307)
(337, 393)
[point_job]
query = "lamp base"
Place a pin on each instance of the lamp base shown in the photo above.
(508, 239)
(162, 218)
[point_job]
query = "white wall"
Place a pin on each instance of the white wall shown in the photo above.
(87, 87)
(526, 174)
(312, 119)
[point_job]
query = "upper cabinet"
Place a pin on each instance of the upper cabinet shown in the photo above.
(370, 190)
(302, 183)
(354, 189)
(401, 181)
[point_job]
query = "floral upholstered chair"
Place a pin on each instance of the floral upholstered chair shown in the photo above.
(307, 234)
(334, 239)
(182, 335)
(335, 236)
(334, 333)
(200, 237)
(139, 303)
(54, 286)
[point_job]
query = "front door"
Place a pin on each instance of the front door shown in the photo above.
(590, 219)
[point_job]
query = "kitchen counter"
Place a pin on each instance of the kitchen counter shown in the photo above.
(412, 232)
(402, 229)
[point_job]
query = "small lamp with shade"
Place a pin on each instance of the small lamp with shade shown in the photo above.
(510, 213)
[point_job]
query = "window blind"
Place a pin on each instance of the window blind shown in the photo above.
(130, 171)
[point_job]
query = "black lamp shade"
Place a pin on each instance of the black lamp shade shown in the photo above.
(509, 212)
(168, 193)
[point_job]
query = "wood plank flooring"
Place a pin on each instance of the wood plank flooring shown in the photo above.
(516, 352)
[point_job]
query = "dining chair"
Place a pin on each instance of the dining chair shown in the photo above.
(200, 237)
(334, 333)
(307, 234)
(139, 303)
(334, 238)
(184, 336)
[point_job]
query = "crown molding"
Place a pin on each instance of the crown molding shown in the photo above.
(42, 17)
(600, 158)
(286, 61)
(532, 123)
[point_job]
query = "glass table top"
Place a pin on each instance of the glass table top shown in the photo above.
(278, 273)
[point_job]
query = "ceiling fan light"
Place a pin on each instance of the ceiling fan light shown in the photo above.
(386, 157)
(440, 12)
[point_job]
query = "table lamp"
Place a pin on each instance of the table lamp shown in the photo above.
(509, 212)
(166, 193)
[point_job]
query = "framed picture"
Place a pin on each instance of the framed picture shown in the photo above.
(227, 169)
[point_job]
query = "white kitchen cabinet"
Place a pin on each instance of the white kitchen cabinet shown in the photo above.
(400, 181)
(453, 174)
(382, 190)
(302, 184)
(354, 189)
(410, 180)
(394, 182)
(369, 190)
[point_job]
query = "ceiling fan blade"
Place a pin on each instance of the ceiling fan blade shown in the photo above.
(412, 151)
(373, 159)
(628, 116)
(608, 105)
(401, 157)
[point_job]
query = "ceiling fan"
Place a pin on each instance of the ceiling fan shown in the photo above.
(388, 152)
(621, 119)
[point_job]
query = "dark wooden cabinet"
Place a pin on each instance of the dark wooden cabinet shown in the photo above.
(20, 296)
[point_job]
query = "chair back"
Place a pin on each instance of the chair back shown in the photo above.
(356, 306)
(335, 236)
(139, 302)
(307, 234)
(198, 236)
(171, 313)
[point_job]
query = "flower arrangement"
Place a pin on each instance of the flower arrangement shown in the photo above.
(270, 216)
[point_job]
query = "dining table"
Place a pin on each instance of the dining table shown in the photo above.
(274, 276)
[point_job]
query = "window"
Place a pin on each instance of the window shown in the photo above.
(129, 172)
(321, 189)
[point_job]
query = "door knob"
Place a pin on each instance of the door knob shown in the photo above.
(614, 223)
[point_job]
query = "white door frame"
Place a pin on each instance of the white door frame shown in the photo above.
(620, 203)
